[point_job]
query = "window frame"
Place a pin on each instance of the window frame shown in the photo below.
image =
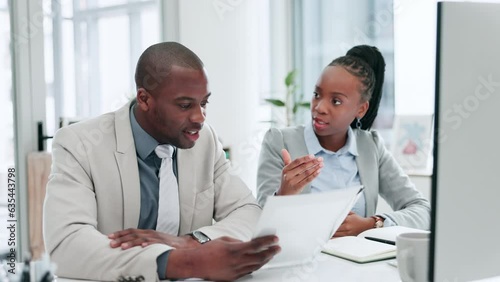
(385, 45)
(88, 98)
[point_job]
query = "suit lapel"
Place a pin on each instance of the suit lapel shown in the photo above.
(187, 192)
(368, 171)
(126, 159)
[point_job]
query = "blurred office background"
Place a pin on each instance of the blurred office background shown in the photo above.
(67, 60)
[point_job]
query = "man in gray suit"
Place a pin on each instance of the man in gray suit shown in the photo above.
(102, 202)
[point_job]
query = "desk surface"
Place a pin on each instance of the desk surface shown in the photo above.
(323, 268)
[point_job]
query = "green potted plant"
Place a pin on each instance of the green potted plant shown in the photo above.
(291, 103)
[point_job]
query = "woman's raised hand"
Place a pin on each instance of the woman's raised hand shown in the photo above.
(298, 173)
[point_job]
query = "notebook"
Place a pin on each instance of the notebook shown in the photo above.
(304, 223)
(362, 250)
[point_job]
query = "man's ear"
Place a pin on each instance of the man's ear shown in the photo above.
(363, 108)
(144, 99)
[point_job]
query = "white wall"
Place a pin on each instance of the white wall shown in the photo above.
(225, 34)
(414, 55)
(415, 65)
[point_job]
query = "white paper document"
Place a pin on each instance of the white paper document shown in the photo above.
(304, 223)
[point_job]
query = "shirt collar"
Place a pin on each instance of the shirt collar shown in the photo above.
(314, 147)
(144, 143)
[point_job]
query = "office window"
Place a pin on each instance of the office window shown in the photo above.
(326, 29)
(91, 48)
(7, 120)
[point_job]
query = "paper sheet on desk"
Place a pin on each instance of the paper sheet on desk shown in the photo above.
(304, 223)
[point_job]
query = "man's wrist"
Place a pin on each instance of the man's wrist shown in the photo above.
(190, 242)
(182, 264)
(200, 237)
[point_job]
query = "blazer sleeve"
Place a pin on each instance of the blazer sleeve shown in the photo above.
(270, 165)
(236, 211)
(70, 223)
(410, 208)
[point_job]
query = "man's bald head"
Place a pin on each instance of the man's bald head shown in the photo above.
(155, 64)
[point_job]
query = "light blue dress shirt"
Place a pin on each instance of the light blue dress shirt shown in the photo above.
(340, 169)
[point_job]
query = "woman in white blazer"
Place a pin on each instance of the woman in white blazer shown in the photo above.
(337, 149)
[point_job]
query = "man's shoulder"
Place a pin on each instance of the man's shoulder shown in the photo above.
(104, 123)
(100, 130)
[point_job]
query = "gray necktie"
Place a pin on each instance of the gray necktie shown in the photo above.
(168, 200)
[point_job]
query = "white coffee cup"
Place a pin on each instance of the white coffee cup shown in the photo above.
(413, 256)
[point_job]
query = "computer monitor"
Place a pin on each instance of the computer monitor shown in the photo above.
(465, 241)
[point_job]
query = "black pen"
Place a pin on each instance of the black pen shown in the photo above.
(381, 240)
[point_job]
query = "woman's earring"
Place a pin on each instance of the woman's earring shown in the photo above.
(358, 123)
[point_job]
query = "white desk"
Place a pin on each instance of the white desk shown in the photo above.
(324, 268)
(329, 268)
